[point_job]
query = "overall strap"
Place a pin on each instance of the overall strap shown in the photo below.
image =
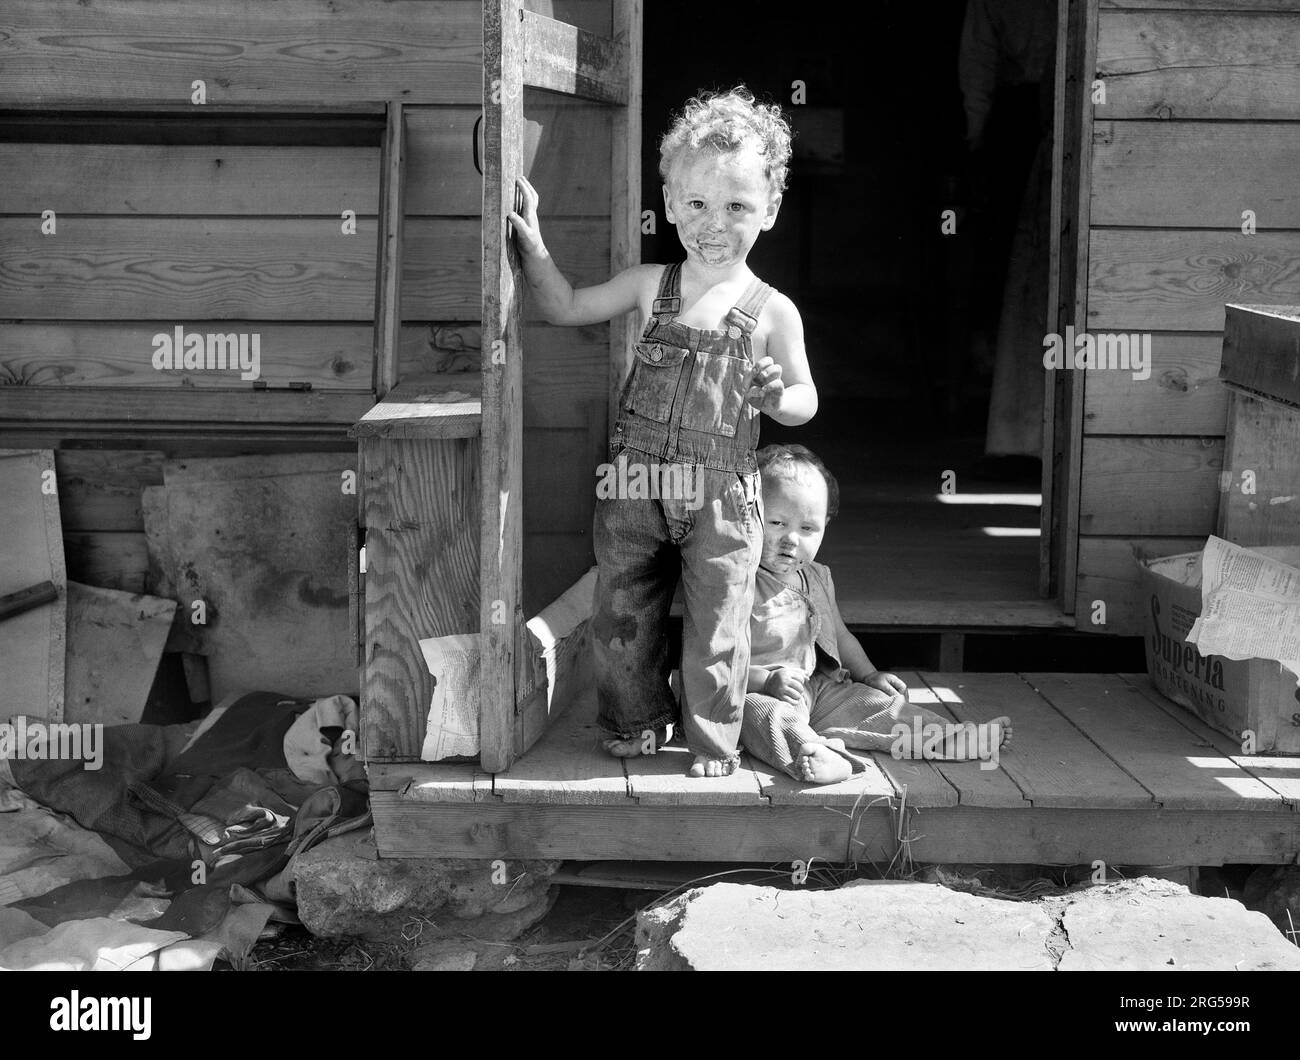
(668, 300)
(745, 313)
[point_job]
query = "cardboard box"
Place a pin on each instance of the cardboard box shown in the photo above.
(1231, 696)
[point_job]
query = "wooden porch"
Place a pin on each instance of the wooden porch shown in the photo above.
(1101, 768)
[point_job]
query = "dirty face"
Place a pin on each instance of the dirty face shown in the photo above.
(794, 519)
(720, 202)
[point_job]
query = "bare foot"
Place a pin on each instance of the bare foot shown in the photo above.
(818, 763)
(1000, 734)
(703, 766)
(648, 743)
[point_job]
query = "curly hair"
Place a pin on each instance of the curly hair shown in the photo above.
(785, 461)
(729, 121)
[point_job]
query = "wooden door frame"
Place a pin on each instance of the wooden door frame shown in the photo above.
(523, 49)
(1076, 61)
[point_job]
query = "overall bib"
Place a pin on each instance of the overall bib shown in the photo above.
(685, 427)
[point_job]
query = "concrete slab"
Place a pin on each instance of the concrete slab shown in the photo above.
(886, 925)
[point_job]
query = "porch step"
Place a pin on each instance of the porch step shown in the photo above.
(1101, 768)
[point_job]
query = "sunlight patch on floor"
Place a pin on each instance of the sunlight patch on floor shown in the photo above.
(1029, 500)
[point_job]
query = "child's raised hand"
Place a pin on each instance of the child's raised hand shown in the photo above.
(885, 682)
(528, 233)
(785, 684)
(765, 386)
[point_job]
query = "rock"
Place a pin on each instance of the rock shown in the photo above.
(343, 888)
(455, 960)
(866, 924)
(1142, 923)
(1153, 925)
(1274, 890)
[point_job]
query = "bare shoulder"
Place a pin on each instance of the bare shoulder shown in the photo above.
(782, 316)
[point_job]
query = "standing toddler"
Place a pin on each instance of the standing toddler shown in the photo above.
(719, 346)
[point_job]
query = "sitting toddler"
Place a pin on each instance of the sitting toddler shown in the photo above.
(812, 691)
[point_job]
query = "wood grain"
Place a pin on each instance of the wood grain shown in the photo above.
(405, 828)
(1077, 42)
(501, 578)
(71, 353)
(175, 270)
(32, 647)
(917, 782)
(1183, 394)
(78, 411)
(1189, 174)
(569, 166)
(563, 367)
(442, 406)
(388, 278)
(1276, 773)
(625, 193)
(1264, 441)
(976, 786)
(314, 52)
(1171, 762)
(1261, 351)
(1150, 486)
(1049, 759)
(567, 765)
(563, 58)
(217, 179)
(1179, 280)
(1187, 65)
(421, 511)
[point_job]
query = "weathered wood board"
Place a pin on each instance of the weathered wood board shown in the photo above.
(31, 644)
(312, 52)
(1182, 395)
(267, 268)
(268, 556)
(73, 353)
(420, 502)
(1050, 760)
(1200, 64)
(115, 642)
(1150, 486)
(1180, 279)
(1183, 174)
(1172, 763)
(1261, 505)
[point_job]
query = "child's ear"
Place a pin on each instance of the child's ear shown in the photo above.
(668, 206)
(769, 218)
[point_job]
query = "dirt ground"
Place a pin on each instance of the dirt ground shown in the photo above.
(599, 920)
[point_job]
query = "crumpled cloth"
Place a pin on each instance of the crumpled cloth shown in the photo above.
(258, 781)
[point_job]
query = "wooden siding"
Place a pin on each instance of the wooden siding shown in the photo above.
(1201, 122)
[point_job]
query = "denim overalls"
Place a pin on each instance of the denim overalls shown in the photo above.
(683, 418)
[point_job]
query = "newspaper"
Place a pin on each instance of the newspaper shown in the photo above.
(1250, 606)
(452, 729)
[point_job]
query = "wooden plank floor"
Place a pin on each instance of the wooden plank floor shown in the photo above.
(1100, 767)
